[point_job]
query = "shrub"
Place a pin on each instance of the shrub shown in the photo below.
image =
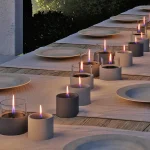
(67, 17)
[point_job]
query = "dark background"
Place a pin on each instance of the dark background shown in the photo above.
(45, 28)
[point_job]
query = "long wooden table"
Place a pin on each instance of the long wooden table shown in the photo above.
(88, 121)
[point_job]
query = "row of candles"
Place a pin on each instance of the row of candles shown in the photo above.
(40, 125)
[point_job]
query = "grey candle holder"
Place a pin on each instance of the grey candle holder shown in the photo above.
(40, 128)
(83, 92)
(101, 54)
(85, 77)
(110, 72)
(13, 124)
(67, 106)
(137, 49)
(91, 67)
(145, 42)
(125, 58)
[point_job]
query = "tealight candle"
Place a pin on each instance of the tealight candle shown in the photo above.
(83, 90)
(67, 104)
(87, 78)
(13, 119)
(40, 126)
(102, 55)
(137, 48)
(125, 57)
(145, 42)
(91, 66)
(110, 71)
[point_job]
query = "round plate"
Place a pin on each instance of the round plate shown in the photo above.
(147, 8)
(59, 52)
(126, 18)
(98, 32)
(8, 81)
(137, 93)
(109, 142)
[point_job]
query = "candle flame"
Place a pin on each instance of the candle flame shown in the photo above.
(13, 104)
(124, 48)
(135, 39)
(81, 66)
(67, 91)
(89, 55)
(40, 111)
(110, 58)
(79, 81)
(144, 20)
(141, 35)
(139, 28)
(105, 46)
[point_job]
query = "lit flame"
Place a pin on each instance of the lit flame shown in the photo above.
(89, 55)
(81, 66)
(67, 91)
(135, 39)
(13, 104)
(104, 45)
(40, 111)
(110, 58)
(141, 35)
(79, 81)
(144, 20)
(139, 28)
(124, 48)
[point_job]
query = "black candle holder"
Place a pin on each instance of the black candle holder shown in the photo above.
(67, 106)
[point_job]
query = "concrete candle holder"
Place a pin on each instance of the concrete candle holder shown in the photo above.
(67, 106)
(85, 77)
(110, 72)
(125, 58)
(84, 93)
(101, 54)
(91, 67)
(145, 42)
(136, 48)
(13, 123)
(40, 128)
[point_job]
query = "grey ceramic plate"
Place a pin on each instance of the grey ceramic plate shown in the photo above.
(126, 18)
(137, 93)
(8, 81)
(59, 52)
(93, 32)
(109, 142)
(147, 8)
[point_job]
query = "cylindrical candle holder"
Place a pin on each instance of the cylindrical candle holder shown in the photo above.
(40, 128)
(85, 77)
(125, 58)
(84, 93)
(137, 49)
(13, 123)
(110, 72)
(101, 54)
(145, 42)
(67, 106)
(91, 67)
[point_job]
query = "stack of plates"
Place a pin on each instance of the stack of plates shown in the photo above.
(126, 18)
(59, 52)
(98, 32)
(8, 81)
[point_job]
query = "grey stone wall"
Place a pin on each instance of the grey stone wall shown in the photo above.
(9, 32)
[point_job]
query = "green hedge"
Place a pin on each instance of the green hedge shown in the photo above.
(65, 19)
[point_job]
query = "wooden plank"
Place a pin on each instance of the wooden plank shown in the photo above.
(109, 123)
